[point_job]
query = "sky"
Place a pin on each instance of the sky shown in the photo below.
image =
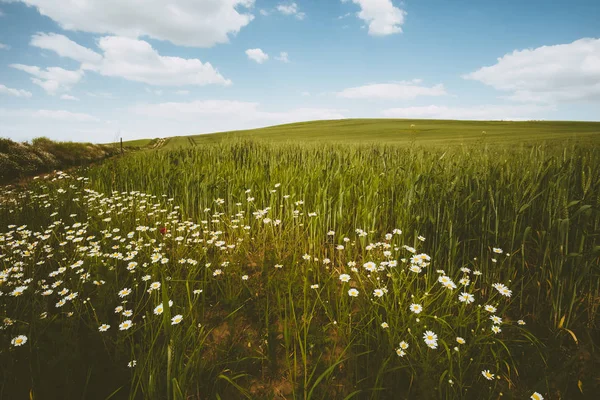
(98, 70)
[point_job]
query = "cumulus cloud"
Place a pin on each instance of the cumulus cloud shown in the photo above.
(257, 55)
(382, 17)
(14, 92)
(482, 112)
(549, 74)
(185, 22)
(404, 90)
(131, 59)
(52, 79)
(290, 9)
(4, 46)
(65, 47)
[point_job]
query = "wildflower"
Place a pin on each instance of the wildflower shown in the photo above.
(124, 292)
(466, 298)
(197, 291)
(118, 309)
(460, 340)
(132, 363)
(421, 238)
(521, 322)
(176, 319)
(244, 277)
(385, 325)
(19, 340)
(344, 277)
(400, 352)
(370, 266)
(123, 326)
(315, 286)
(18, 291)
(497, 250)
(278, 266)
(487, 374)
(403, 345)
(158, 309)
(306, 257)
(490, 309)
(496, 320)
(537, 396)
(127, 313)
(496, 329)
(154, 286)
(353, 292)
(378, 292)
(103, 327)
(430, 337)
(416, 308)
(502, 289)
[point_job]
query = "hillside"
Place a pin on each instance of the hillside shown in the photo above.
(403, 131)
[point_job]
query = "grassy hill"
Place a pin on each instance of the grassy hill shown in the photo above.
(445, 132)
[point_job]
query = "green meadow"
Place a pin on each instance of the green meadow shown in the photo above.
(353, 259)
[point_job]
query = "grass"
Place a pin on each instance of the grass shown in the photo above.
(258, 245)
(402, 131)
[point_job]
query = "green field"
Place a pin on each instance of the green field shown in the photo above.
(402, 131)
(357, 259)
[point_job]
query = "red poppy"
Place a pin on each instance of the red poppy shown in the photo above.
(163, 230)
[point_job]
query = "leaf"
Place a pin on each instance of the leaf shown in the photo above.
(562, 321)
(572, 335)
(580, 386)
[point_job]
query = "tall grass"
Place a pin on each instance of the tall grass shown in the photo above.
(294, 331)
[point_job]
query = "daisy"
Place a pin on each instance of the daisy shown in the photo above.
(400, 352)
(378, 292)
(244, 277)
(416, 308)
(403, 345)
(496, 320)
(123, 326)
(124, 292)
(385, 325)
(176, 319)
(496, 329)
(103, 327)
(353, 292)
(430, 337)
(487, 374)
(154, 286)
(490, 309)
(460, 340)
(466, 298)
(19, 340)
(521, 322)
(344, 277)
(158, 309)
(537, 396)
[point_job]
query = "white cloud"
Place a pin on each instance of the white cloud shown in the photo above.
(290, 9)
(559, 73)
(404, 90)
(182, 92)
(264, 13)
(283, 57)
(14, 92)
(482, 112)
(305, 94)
(65, 47)
(69, 97)
(382, 17)
(4, 46)
(57, 115)
(185, 22)
(134, 60)
(52, 79)
(257, 55)
(102, 95)
(156, 92)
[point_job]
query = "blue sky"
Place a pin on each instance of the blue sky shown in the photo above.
(93, 69)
